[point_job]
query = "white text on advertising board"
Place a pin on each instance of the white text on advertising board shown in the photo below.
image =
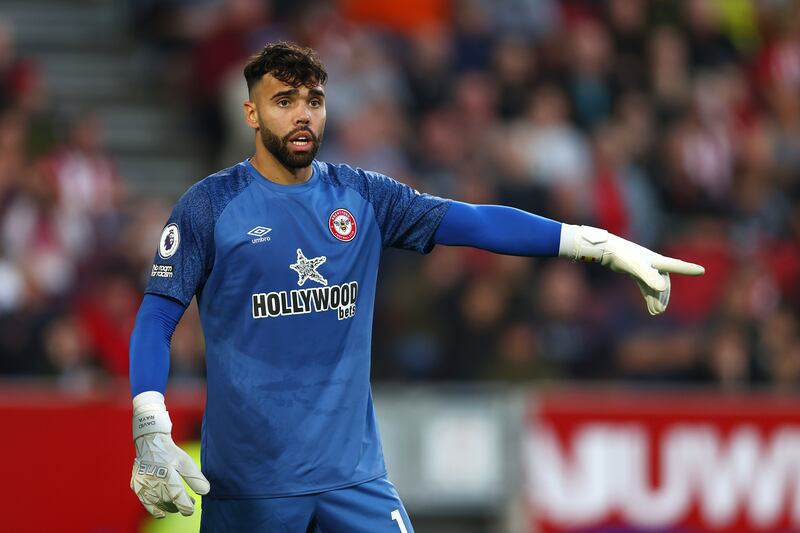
(605, 469)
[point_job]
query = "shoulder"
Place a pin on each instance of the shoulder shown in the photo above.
(224, 185)
(209, 196)
(343, 175)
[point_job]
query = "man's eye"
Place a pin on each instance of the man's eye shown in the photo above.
(283, 103)
(315, 103)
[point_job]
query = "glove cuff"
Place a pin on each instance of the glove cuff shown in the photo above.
(582, 243)
(150, 414)
(147, 397)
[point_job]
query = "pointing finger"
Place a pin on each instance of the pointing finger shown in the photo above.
(676, 266)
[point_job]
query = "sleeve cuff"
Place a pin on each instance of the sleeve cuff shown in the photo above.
(566, 246)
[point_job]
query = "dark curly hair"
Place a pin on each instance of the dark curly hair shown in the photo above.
(288, 62)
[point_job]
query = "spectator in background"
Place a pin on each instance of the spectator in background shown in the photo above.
(589, 79)
(534, 20)
(778, 353)
(729, 363)
(237, 25)
(106, 312)
(12, 155)
(428, 71)
(627, 24)
(366, 76)
(514, 71)
(668, 59)
(518, 357)
(491, 297)
(569, 336)
(473, 35)
(187, 346)
(16, 74)
(41, 239)
(709, 46)
(623, 198)
(83, 179)
(371, 138)
(22, 92)
(547, 158)
(69, 355)
(701, 149)
(552, 151)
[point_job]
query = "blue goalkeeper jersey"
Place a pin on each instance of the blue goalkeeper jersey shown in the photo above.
(285, 282)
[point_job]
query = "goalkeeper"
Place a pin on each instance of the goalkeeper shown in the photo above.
(282, 251)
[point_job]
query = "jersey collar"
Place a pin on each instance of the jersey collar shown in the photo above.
(290, 189)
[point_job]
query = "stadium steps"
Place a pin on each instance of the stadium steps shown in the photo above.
(90, 62)
(54, 24)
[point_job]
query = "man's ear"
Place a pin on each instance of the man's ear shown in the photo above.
(251, 114)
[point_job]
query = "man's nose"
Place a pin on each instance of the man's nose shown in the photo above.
(303, 117)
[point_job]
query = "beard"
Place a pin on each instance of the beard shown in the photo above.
(279, 147)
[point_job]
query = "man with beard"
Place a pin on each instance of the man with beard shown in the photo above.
(282, 253)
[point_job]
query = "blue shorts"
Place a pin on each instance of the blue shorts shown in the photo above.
(371, 507)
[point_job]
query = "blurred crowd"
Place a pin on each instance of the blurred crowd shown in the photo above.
(674, 123)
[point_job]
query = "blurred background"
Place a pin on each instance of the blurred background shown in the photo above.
(514, 394)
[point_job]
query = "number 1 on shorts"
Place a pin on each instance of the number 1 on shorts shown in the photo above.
(399, 519)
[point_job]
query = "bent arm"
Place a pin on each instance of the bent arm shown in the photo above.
(499, 229)
(149, 348)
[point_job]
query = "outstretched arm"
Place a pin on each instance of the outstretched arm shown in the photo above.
(499, 229)
(159, 463)
(511, 231)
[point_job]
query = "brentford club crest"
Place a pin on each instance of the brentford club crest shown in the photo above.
(342, 225)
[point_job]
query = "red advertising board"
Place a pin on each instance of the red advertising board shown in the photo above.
(662, 461)
(67, 458)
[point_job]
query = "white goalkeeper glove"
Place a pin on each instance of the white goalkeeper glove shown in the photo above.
(159, 463)
(649, 269)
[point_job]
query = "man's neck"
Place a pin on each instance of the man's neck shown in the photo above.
(271, 169)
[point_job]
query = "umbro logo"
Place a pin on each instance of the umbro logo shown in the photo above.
(260, 234)
(259, 231)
